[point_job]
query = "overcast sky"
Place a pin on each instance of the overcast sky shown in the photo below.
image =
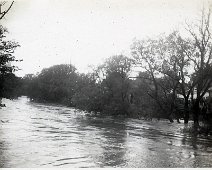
(85, 32)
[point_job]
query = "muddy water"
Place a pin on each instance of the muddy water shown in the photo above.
(39, 135)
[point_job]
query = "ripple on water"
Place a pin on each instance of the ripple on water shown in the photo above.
(39, 135)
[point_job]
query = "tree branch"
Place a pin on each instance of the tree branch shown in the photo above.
(6, 11)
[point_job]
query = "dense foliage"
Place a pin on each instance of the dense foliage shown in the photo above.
(109, 89)
(10, 86)
(8, 81)
(175, 76)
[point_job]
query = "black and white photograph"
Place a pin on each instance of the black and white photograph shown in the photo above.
(105, 84)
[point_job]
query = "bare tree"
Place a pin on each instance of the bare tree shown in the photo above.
(202, 59)
(176, 65)
(147, 55)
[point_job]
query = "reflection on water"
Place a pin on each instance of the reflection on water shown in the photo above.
(38, 135)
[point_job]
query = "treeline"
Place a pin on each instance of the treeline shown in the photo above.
(156, 92)
(173, 83)
(108, 89)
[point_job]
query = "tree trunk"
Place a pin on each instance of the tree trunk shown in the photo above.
(170, 117)
(186, 112)
(196, 111)
(178, 120)
(171, 120)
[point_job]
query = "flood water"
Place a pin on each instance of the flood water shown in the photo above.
(41, 135)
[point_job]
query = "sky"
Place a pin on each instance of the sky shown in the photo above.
(85, 32)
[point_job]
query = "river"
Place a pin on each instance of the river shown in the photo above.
(44, 135)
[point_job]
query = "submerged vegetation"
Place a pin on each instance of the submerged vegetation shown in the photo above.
(174, 82)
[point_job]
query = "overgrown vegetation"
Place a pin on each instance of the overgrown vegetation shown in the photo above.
(176, 76)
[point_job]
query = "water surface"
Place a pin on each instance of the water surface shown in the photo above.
(44, 135)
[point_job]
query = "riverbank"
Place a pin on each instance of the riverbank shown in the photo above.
(204, 129)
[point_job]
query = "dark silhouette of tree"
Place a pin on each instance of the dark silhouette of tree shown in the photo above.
(54, 84)
(150, 56)
(6, 47)
(6, 52)
(177, 65)
(106, 89)
(116, 83)
(11, 86)
(144, 106)
(201, 59)
(88, 95)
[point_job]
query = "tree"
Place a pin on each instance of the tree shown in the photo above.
(201, 59)
(88, 94)
(116, 84)
(11, 88)
(143, 104)
(176, 63)
(54, 84)
(184, 64)
(150, 56)
(6, 49)
(6, 53)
